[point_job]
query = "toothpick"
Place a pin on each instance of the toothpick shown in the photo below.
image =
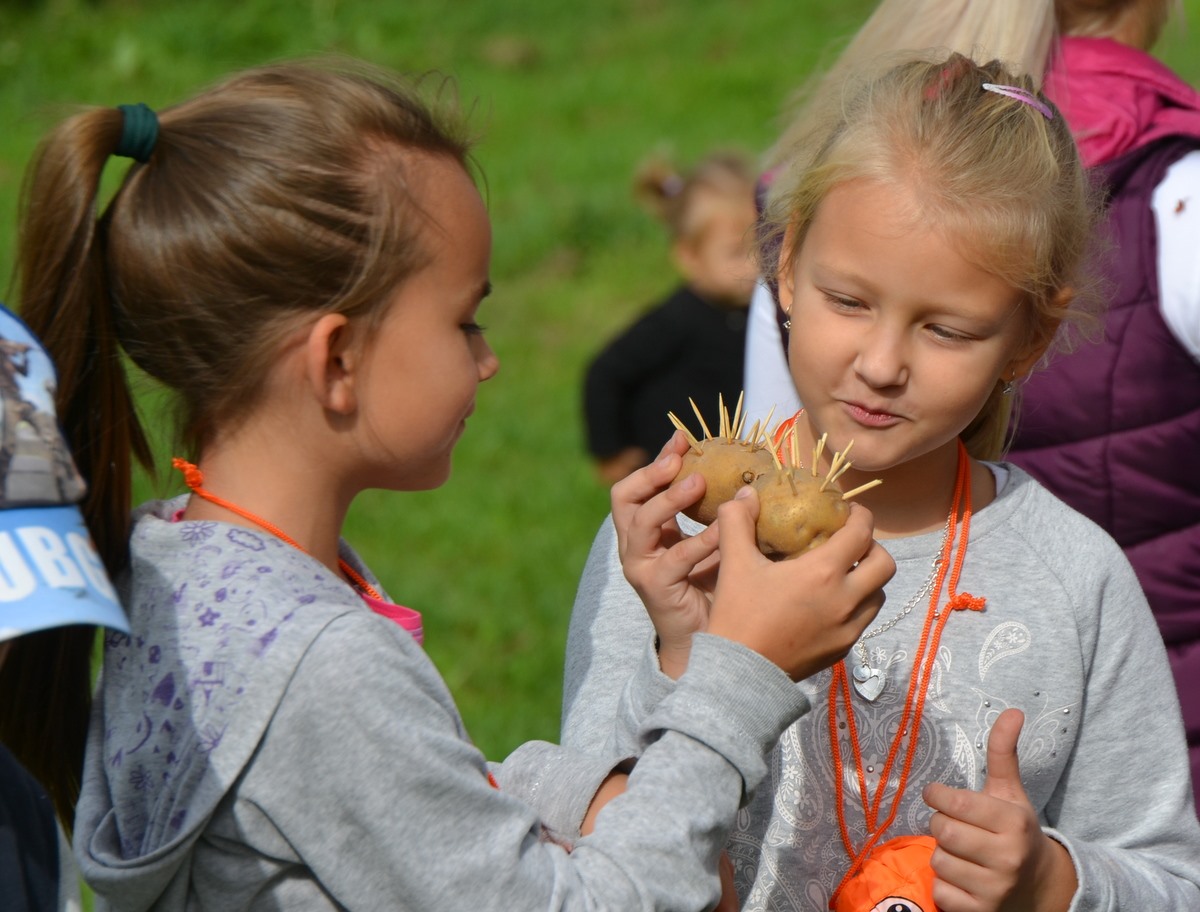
(723, 415)
(795, 448)
(737, 414)
(767, 436)
(792, 482)
(834, 465)
(817, 451)
(696, 409)
(695, 445)
(840, 472)
(861, 488)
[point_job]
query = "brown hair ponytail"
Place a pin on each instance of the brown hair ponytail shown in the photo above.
(65, 299)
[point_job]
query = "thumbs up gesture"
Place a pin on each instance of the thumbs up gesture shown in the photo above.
(991, 854)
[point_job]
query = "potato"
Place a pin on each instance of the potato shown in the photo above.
(726, 464)
(795, 515)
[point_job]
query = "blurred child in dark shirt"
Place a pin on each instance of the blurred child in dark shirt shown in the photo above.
(691, 344)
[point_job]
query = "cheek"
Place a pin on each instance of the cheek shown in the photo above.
(815, 345)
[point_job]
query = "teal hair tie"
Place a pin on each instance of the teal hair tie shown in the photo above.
(139, 132)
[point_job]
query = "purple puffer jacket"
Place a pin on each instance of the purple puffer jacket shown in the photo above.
(1114, 428)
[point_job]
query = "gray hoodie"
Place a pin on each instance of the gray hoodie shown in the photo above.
(264, 741)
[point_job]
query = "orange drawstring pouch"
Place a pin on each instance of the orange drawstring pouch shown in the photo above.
(895, 877)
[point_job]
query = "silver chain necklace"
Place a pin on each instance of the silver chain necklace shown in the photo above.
(869, 681)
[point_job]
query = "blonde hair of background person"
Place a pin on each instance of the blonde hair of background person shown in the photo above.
(931, 236)
(1019, 34)
(299, 254)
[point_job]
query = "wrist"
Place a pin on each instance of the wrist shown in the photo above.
(610, 788)
(1058, 881)
(673, 654)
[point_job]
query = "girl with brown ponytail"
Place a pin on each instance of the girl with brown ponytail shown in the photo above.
(298, 254)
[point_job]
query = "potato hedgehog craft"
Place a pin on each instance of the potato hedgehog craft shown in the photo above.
(798, 509)
(727, 461)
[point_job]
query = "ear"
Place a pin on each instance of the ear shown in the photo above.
(785, 274)
(1024, 362)
(331, 363)
(686, 257)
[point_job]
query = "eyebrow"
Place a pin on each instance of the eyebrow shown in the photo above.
(828, 272)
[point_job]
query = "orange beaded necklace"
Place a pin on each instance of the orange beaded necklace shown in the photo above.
(918, 686)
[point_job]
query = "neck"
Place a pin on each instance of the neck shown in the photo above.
(277, 484)
(911, 500)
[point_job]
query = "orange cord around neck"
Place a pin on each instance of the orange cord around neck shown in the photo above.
(194, 479)
(918, 685)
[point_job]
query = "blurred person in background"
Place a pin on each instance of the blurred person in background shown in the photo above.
(690, 345)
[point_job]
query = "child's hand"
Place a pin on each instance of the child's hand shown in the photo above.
(804, 613)
(729, 898)
(992, 853)
(673, 573)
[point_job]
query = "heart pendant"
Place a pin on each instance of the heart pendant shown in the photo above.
(869, 681)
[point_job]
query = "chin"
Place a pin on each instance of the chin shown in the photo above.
(417, 478)
(431, 481)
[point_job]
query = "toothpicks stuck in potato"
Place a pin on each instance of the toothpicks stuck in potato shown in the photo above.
(727, 461)
(798, 510)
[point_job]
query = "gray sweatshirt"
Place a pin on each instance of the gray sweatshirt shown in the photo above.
(1066, 637)
(264, 741)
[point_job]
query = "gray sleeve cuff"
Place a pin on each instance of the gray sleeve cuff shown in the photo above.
(732, 700)
(648, 686)
(557, 782)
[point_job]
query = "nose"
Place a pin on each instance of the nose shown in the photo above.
(882, 359)
(488, 362)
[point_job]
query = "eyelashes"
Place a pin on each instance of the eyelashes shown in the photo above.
(941, 333)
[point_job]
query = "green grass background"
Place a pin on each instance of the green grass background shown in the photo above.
(568, 97)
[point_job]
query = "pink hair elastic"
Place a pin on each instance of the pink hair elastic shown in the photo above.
(1022, 95)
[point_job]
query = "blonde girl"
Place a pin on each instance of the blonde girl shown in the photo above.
(299, 253)
(1009, 721)
(1091, 421)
